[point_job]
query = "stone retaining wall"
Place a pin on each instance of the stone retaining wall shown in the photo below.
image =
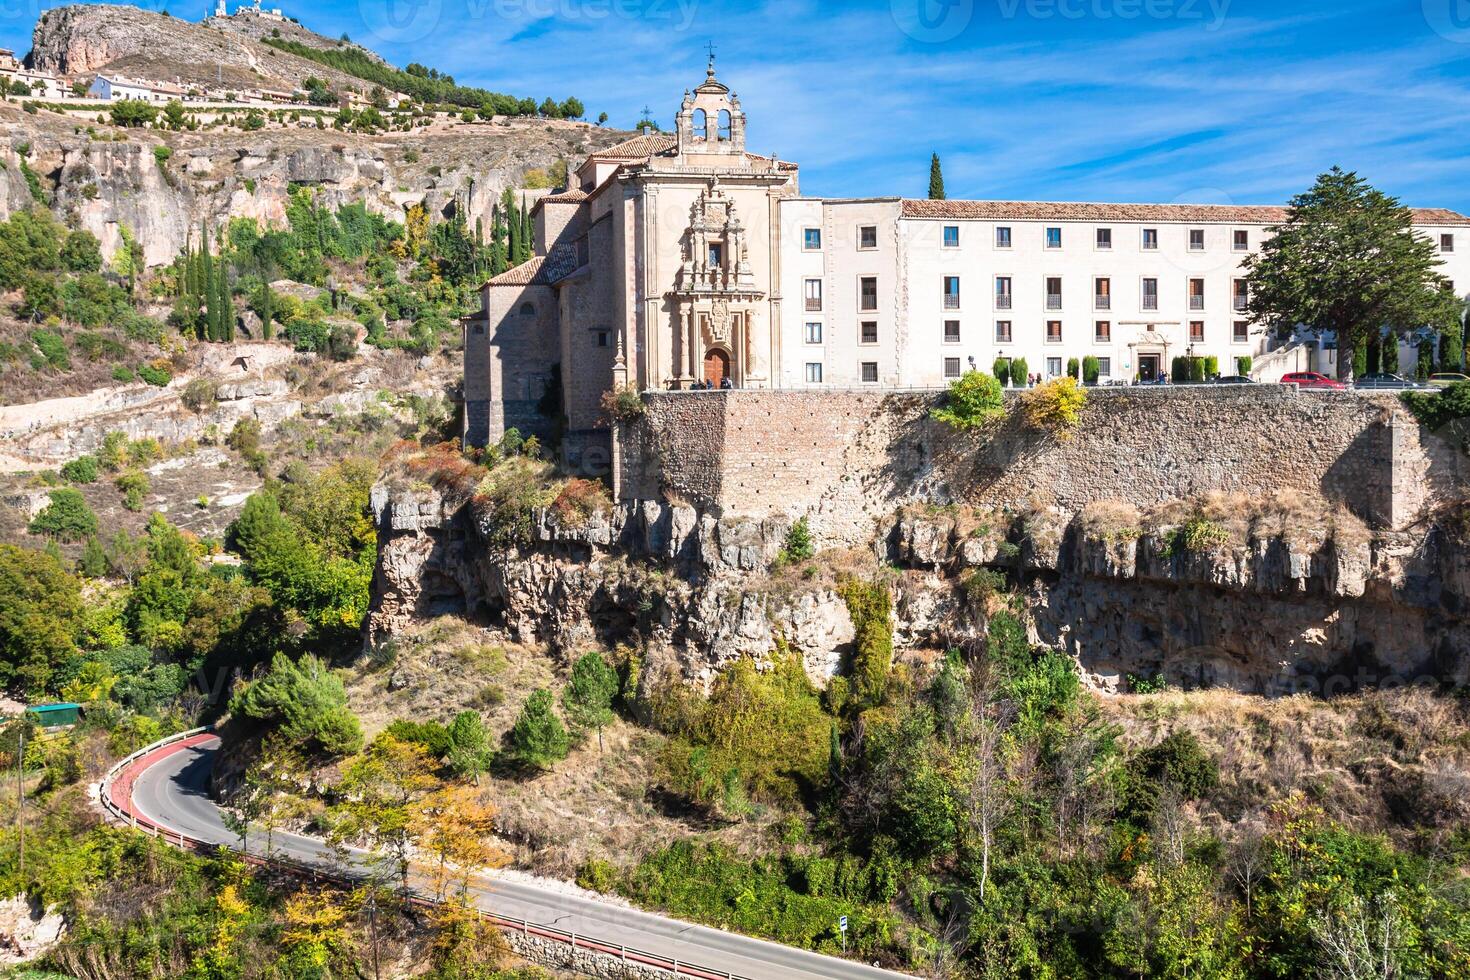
(847, 457)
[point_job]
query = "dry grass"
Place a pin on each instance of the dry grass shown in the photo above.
(1396, 759)
(1111, 520)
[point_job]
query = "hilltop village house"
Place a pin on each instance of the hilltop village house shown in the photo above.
(681, 259)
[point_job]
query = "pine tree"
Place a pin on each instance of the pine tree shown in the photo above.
(936, 179)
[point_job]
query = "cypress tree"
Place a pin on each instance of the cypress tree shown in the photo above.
(936, 179)
(1391, 353)
(226, 307)
(528, 235)
(499, 258)
(207, 288)
(267, 331)
(514, 221)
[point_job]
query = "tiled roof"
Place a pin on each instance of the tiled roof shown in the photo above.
(1042, 210)
(638, 147)
(570, 197)
(522, 275)
(540, 270)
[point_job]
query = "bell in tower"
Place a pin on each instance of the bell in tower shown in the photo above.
(710, 119)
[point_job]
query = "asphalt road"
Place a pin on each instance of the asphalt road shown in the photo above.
(171, 789)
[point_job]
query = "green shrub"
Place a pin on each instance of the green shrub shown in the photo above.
(871, 606)
(1179, 763)
(1436, 409)
(1074, 368)
(66, 518)
(1000, 369)
(598, 876)
(124, 374)
(974, 400)
(1091, 369)
(305, 702)
(156, 374)
(162, 154)
(798, 546)
(1243, 365)
(1199, 536)
(83, 469)
(433, 736)
(52, 347)
(982, 583)
(1018, 372)
(200, 394)
(623, 404)
(134, 486)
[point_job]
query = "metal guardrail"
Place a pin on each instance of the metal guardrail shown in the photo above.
(627, 954)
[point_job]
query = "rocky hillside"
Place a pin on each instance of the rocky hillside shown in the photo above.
(107, 179)
(83, 38)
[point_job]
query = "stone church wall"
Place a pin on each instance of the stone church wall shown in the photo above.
(846, 458)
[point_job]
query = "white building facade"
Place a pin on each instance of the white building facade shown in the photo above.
(679, 260)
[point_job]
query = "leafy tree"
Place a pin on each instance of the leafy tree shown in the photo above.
(453, 825)
(469, 751)
(133, 113)
(40, 614)
(67, 517)
(379, 794)
(81, 252)
(1348, 260)
(1055, 406)
(588, 697)
(538, 739)
(936, 179)
(306, 702)
(974, 401)
(173, 114)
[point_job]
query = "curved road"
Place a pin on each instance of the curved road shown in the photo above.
(168, 788)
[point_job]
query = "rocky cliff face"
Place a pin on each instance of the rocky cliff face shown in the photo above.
(1271, 610)
(116, 180)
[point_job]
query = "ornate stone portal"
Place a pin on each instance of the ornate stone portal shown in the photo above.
(717, 300)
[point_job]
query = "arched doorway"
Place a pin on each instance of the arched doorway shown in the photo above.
(716, 366)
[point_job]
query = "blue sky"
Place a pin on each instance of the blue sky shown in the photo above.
(1224, 101)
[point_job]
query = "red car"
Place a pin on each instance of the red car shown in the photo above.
(1311, 379)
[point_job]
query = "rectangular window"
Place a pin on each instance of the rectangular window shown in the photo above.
(1446, 243)
(951, 236)
(1150, 239)
(1102, 332)
(1054, 238)
(814, 333)
(1105, 238)
(814, 295)
(813, 372)
(1196, 294)
(1196, 239)
(1002, 331)
(1241, 241)
(1002, 236)
(1104, 367)
(951, 292)
(1150, 295)
(951, 331)
(870, 372)
(604, 338)
(1240, 332)
(868, 236)
(1196, 331)
(868, 332)
(1002, 292)
(1053, 292)
(951, 367)
(716, 255)
(1102, 293)
(811, 239)
(1241, 295)
(1054, 331)
(1053, 367)
(868, 293)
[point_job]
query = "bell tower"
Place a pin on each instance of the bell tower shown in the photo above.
(710, 119)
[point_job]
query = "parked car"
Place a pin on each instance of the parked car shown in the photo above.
(1311, 379)
(1447, 378)
(1385, 381)
(1233, 379)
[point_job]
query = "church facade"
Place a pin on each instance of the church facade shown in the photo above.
(680, 260)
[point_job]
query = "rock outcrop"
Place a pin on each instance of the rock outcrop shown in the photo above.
(1259, 606)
